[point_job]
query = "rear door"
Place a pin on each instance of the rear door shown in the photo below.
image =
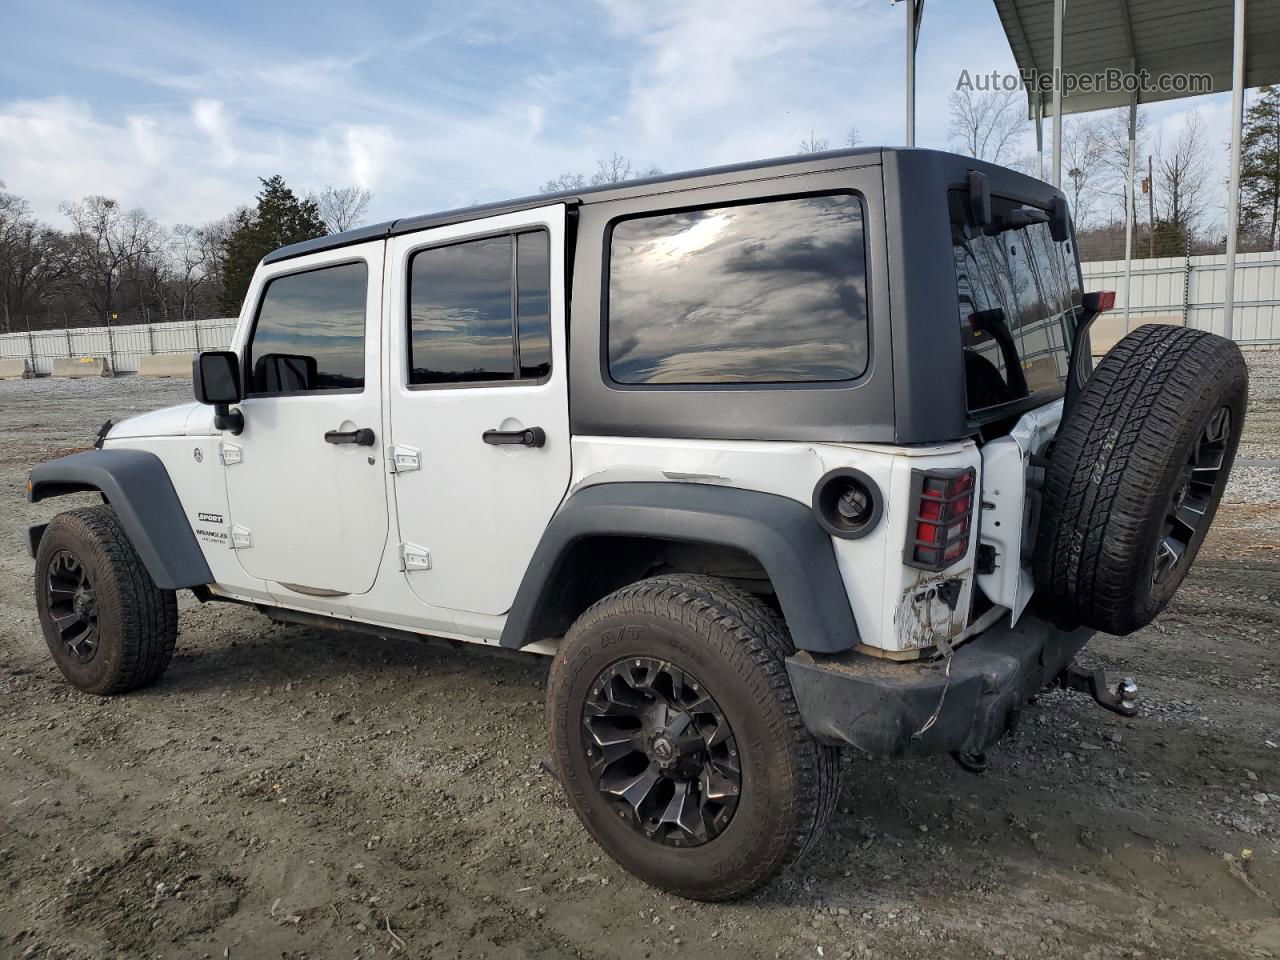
(479, 415)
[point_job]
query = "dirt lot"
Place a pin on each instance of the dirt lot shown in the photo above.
(291, 792)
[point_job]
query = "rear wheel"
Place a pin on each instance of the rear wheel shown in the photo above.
(109, 627)
(678, 739)
(1136, 475)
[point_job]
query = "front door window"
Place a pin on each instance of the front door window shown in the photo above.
(309, 332)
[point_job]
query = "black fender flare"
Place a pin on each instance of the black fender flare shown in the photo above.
(137, 486)
(781, 533)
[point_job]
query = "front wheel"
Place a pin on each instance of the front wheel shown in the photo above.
(678, 740)
(109, 627)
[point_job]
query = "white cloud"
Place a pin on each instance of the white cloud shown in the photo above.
(368, 150)
(745, 83)
(151, 146)
(448, 108)
(537, 117)
(211, 117)
(54, 150)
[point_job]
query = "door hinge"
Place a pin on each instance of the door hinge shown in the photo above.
(241, 537)
(414, 557)
(230, 453)
(402, 459)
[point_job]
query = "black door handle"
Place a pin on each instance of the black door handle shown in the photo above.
(528, 437)
(361, 438)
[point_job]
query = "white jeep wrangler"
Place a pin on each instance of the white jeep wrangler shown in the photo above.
(771, 459)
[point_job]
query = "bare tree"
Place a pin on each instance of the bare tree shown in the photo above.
(564, 183)
(32, 260)
(988, 126)
(188, 254)
(106, 245)
(1082, 156)
(612, 169)
(341, 208)
(814, 144)
(1181, 174)
(1110, 133)
(213, 237)
(852, 136)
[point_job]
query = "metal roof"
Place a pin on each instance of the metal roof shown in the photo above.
(1159, 36)
(665, 183)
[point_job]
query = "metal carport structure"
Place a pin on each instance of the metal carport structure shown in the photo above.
(1236, 45)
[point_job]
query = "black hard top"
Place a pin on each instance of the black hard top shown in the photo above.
(665, 183)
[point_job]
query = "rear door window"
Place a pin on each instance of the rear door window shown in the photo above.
(1019, 297)
(763, 292)
(479, 311)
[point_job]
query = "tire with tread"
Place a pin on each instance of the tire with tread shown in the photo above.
(137, 621)
(736, 645)
(1119, 465)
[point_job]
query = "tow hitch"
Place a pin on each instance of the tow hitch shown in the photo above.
(1094, 682)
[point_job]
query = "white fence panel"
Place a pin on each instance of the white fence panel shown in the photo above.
(122, 346)
(1165, 286)
(1194, 288)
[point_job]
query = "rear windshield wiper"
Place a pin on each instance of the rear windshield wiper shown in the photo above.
(1015, 219)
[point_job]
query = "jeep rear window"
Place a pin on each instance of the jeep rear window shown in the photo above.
(479, 311)
(764, 292)
(1019, 295)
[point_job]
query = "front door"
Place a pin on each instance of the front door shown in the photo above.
(479, 402)
(306, 487)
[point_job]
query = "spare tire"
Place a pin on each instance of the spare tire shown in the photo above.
(1135, 476)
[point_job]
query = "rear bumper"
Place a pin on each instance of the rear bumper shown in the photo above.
(879, 706)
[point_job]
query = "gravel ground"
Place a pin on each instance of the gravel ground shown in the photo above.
(291, 792)
(1256, 478)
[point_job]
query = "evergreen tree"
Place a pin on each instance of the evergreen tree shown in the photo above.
(279, 219)
(1260, 167)
(1169, 238)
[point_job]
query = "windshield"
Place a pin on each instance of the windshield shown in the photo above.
(1019, 295)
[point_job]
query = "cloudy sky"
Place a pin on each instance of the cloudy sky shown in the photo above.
(180, 107)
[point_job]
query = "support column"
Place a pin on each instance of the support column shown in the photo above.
(1233, 185)
(1059, 12)
(1039, 137)
(1130, 206)
(911, 72)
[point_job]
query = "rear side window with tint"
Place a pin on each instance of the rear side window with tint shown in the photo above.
(1019, 295)
(309, 334)
(766, 292)
(479, 311)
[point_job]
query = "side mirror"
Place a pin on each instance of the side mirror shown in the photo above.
(216, 378)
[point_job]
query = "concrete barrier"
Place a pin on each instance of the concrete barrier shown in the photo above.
(1108, 329)
(165, 365)
(17, 368)
(81, 367)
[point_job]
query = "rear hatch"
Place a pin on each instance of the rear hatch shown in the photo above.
(1019, 297)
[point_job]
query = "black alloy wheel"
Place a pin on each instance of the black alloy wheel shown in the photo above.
(1192, 498)
(73, 605)
(109, 628)
(661, 751)
(678, 740)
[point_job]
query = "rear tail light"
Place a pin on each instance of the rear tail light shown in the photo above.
(1100, 301)
(941, 517)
